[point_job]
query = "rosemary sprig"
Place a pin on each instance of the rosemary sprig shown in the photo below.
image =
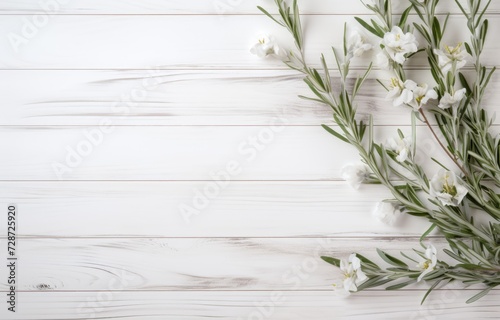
(475, 247)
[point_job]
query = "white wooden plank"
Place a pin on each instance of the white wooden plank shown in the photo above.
(185, 153)
(198, 7)
(138, 42)
(193, 264)
(274, 305)
(159, 97)
(157, 209)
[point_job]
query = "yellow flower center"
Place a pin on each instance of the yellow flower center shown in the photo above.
(419, 99)
(449, 189)
(453, 50)
(395, 83)
(426, 264)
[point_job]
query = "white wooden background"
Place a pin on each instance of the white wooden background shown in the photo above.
(158, 95)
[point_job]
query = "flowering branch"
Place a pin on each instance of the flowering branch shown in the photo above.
(452, 157)
(474, 246)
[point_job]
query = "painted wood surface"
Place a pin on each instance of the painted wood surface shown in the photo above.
(216, 7)
(148, 42)
(158, 153)
(115, 116)
(163, 97)
(249, 305)
(198, 263)
(241, 209)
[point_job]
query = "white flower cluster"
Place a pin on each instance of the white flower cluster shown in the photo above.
(410, 93)
(355, 174)
(387, 212)
(353, 276)
(401, 147)
(396, 45)
(428, 263)
(452, 100)
(267, 46)
(357, 45)
(448, 188)
(452, 58)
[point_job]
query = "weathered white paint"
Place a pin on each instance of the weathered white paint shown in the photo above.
(248, 305)
(204, 7)
(174, 83)
(148, 42)
(197, 263)
(242, 209)
(164, 97)
(272, 152)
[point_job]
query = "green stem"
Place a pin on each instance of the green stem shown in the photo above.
(452, 157)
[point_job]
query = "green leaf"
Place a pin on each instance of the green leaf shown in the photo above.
(345, 39)
(470, 266)
(440, 164)
(400, 285)
(391, 260)
(430, 290)
(368, 27)
(479, 295)
(366, 261)
(468, 49)
(270, 16)
(426, 233)
(373, 282)
(404, 17)
(455, 256)
(333, 261)
(335, 133)
(464, 83)
(462, 9)
(436, 30)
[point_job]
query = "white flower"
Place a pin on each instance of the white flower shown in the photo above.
(387, 212)
(452, 55)
(356, 45)
(267, 46)
(382, 61)
(429, 263)
(399, 93)
(448, 188)
(353, 275)
(401, 147)
(453, 101)
(409, 93)
(421, 94)
(397, 44)
(354, 174)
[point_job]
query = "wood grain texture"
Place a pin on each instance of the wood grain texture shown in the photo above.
(146, 102)
(250, 305)
(221, 7)
(242, 209)
(195, 264)
(186, 153)
(162, 97)
(142, 42)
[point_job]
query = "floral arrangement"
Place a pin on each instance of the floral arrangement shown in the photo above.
(453, 198)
